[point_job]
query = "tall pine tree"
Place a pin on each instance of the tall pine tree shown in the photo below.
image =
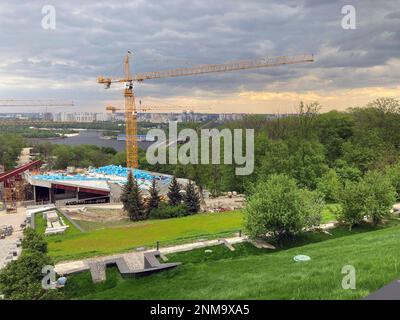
(136, 211)
(154, 199)
(191, 198)
(126, 190)
(132, 201)
(174, 195)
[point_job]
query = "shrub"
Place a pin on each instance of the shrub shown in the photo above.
(165, 211)
(281, 208)
(372, 197)
(329, 186)
(352, 202)
(380, 197)
(393, 174)
(22, 278)
(33, 241)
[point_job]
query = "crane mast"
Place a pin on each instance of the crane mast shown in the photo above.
(128, 79)
(130, 118)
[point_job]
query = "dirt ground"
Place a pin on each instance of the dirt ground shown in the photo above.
(114, 214)
(96, 214)
(223, 203)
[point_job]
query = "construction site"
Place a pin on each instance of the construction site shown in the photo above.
(103, 185)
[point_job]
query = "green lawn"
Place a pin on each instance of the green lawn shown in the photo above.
(107, 238)
(123, 238)
(250, 273)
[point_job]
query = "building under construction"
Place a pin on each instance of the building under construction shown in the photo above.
(100, 185)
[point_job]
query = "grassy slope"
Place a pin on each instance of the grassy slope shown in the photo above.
(127, 235)
(110, 240)
(252, 274)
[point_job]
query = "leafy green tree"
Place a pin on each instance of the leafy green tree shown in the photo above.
(372, 197)
(352, 201)
(379, 198)
(307, 162)
(334, 129)
(393, 174)
(33, 241)
(385, 105)
(346, 172)
(174, 194)
(280, 208)
(154, 198)
(10, 149)
(329, 185)
(22, 278)
(191, 198)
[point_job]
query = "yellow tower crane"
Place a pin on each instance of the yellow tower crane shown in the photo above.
(129, 79)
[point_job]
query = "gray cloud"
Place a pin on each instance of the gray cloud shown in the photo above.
(92, 36)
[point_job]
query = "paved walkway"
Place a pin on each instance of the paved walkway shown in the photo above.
(15, 220)
(135, 260)
(9, 244)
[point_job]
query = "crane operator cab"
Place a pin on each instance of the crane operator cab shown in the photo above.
(128, 85)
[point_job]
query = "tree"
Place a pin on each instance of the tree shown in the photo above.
(372, 197)
(279, 207)
(385, 105)
(154, 199)
(126, 191)
(191, 198)
(174, 194)
(132, 201)
(393, 174)
(21, 278)
(352, 202)
(380, 197)
(136, 210)
(307, 162)
(346, 172)
(33, 241)
(329, 185)
(334, 128)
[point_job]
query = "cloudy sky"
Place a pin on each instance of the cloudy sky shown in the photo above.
(352, 67)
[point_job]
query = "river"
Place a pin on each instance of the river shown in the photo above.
(90, 137)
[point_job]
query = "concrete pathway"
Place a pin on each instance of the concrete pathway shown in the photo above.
(9, 244)
(15, 220)
(135, 260)
(202, 244)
